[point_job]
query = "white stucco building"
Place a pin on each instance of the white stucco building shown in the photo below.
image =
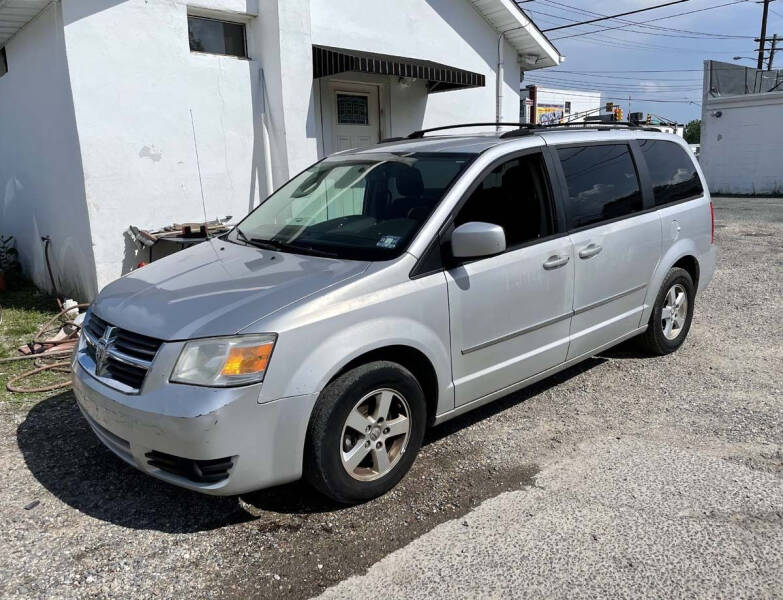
(552, 105)
(742, 129)
(100, 100)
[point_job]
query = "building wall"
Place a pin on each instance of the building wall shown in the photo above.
(741, 149)
(581, 100)
(135, 83)
(446, 31)
(115, 86)
(41, 178)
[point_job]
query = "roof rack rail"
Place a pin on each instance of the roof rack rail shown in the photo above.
(522, 129)
(599, 125)
(420, 133)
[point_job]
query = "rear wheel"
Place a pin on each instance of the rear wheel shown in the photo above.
(672, 314)
(365, 432)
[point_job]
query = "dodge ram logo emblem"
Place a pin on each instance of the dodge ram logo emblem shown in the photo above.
(102, 347)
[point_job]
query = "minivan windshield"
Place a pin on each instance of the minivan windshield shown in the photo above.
(355, 206)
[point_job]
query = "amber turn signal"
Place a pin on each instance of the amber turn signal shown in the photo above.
(244, 360)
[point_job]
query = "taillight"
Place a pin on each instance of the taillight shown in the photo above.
(712, 224)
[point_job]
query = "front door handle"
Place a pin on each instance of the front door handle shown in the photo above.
(590, 250)
(555, 262)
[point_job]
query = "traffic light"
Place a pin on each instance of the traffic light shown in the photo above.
(618, 114)
(610, 107)
(649, 119)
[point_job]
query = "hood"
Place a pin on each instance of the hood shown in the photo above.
(215, 288)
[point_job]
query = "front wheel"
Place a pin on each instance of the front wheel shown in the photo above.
(365, 432)
(672, 314)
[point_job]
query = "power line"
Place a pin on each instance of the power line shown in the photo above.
(605, 18)
(657, 29)
(621, 89)
(616, 89)
(638, 32)
(566, 78)
(615, 42)
(691, 79)
(689, 12)
(643, 24)
(638, 71)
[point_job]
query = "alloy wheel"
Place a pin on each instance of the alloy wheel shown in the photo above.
(674, 313)
(375, 434)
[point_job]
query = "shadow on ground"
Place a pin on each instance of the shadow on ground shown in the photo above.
(68, 460)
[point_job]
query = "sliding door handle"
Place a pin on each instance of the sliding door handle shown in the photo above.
(555, 262)
(590, 250)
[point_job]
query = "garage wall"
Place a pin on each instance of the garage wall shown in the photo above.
(41, 178)
(742, 144)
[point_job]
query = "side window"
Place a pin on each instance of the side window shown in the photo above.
(515, 195)
(672, 171)
(602, 183)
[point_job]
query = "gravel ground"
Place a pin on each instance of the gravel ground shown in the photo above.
(622, 476)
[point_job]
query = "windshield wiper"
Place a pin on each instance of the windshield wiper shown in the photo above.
(283, 246)
(286, 247)
(242, 236)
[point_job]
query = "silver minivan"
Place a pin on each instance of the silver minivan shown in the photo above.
(386, 290)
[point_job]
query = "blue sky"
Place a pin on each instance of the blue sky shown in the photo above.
(625, 51)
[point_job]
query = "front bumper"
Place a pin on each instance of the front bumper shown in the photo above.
(265, 441)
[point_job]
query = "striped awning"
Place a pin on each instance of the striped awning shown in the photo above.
(440, 78)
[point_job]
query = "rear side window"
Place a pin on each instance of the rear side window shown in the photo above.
(514, 195)
(602, 183)
(672, 171)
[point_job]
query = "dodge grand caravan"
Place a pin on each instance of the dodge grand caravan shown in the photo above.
(385, 290)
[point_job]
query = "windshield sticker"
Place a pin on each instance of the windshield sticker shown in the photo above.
(388, 241)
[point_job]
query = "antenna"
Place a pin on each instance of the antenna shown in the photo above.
(198, 166)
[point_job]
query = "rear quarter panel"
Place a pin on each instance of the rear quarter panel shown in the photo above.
(686, 229)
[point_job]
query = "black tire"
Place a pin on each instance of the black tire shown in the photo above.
(654, 340)
(323, 466)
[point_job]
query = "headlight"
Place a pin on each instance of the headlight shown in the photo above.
(224, 361)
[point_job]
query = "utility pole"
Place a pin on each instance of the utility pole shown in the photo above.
(763, 36)
(772, 52)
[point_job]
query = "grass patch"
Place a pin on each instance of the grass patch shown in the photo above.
(23, 312)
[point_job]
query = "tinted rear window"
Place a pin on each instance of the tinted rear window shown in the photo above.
(672, 171)
(602, 183)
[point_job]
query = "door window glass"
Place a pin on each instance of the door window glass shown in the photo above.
(672, 171)
(515, 195)
(602, 183)
(352, 109)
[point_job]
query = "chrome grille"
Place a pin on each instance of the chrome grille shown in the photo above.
(118, 355)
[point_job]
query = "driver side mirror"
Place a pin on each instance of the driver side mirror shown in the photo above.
(477, 239)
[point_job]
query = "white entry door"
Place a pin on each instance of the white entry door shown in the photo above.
(355, 116)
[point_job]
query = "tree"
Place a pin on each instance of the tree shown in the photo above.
(692, 132)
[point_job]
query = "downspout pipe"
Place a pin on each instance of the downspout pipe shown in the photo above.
(267, 146)
(499, 84)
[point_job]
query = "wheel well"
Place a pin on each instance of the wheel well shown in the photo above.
(690, 264)
(413, 360)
